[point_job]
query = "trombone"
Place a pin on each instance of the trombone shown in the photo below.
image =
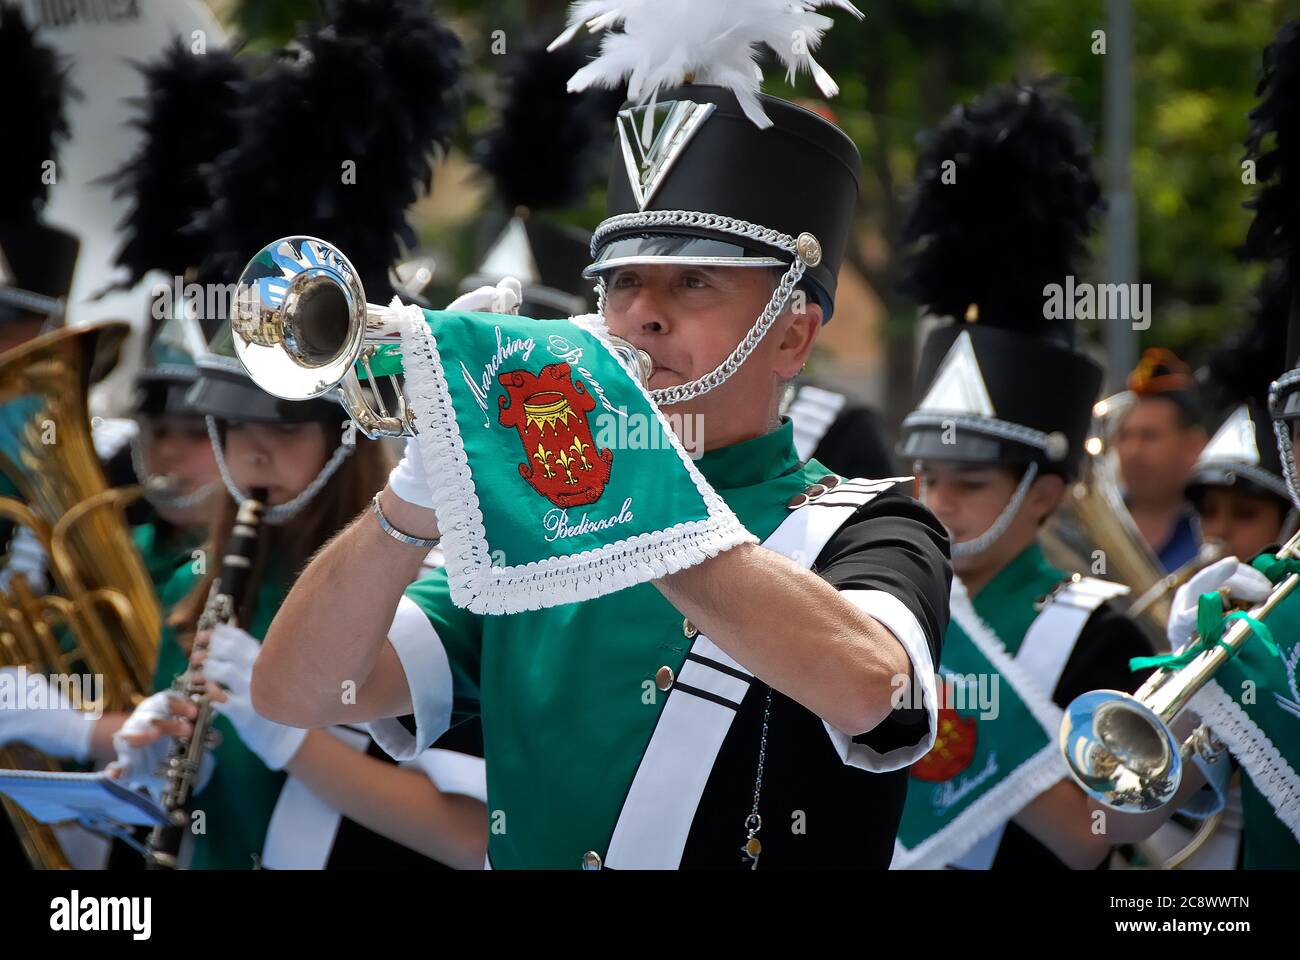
(1121, 748)
(302, 327)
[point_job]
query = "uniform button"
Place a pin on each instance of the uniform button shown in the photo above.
(591, 860)
(830, 481)
(664, 678)
(797, 501)
(815, 491)
(689, 629)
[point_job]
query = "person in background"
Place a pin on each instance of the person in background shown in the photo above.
(1158, 444)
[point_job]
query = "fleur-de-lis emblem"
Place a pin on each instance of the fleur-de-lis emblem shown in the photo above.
(543, 456)
(579, 447)
(564, 460)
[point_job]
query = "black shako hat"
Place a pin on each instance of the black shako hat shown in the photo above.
(694, 181)
(169, 369)
(706, 169)
(1005, 196)
(1243, 455)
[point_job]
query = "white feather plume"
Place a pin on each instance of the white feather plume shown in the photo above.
(711, 41)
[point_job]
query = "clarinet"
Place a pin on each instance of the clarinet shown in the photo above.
(186, 755)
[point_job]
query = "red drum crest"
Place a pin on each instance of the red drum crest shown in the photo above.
(549, 411)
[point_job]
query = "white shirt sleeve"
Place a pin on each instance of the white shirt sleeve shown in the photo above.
(428, 674)
(454, 772)
(894, 615)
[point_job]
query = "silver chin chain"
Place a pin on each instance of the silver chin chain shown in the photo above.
(977, 545)
(775, 304)
(1282, 430)
(160, 499)
(284, 511)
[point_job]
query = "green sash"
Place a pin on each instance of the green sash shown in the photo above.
(554, 477)
(1253, 706)
(995, 749)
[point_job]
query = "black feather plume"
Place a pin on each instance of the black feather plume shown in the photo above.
(1013, 216)
(1254, 356)
(186, 118)
(339, 143)
(33, 89)
(542, 153)
(1274, 144)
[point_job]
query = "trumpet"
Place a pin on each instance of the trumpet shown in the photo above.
(1121, 749)
(302, 327)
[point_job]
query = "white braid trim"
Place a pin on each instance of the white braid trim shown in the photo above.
(1018, 787)
(281, 513)
(482, 588)
(1272, 775)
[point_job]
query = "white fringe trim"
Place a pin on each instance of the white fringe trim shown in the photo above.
(1272, 775)
(1041, 771)
(474, 582)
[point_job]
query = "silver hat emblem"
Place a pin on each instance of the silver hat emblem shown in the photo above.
(652, 137)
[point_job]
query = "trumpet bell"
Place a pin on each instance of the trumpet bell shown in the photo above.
(299, 317)
(1120, 752)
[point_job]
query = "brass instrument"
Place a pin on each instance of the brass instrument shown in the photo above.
(1120, 748)
(302, 327)
(185, 759)
(102, 617)
(1096, 506)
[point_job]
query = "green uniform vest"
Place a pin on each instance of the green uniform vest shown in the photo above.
(163, 556)
(995, 749)
(1246, 706)
(567, 695)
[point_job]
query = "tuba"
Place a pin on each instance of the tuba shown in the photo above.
(301, 327)
(1094, 518)
(1122, 750)
(102, 616)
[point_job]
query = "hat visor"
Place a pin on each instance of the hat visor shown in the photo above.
(1251, 480)
(228, 398)
(680, 250)
(962, 446)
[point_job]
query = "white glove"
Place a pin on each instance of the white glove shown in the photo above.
(1243, 581)
(505, 297)
(408, 479)
(54, 727)
(142, 767)
(231, 653)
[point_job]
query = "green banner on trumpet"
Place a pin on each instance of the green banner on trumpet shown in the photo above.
(555, 477)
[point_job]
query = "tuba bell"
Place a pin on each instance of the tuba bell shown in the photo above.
(102, 616)
(302, 327)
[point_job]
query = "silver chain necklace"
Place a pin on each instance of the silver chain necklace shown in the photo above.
(753, 847)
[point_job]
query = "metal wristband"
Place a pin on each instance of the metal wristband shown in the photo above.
(396, 534)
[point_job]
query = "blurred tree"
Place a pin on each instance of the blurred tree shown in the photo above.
(910, 61)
